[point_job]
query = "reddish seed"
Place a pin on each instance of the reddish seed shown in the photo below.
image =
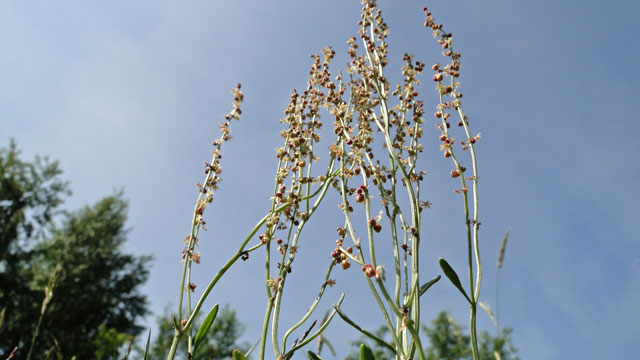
(372, 222)
(369, 270)
(472, 140)
(455, 173)
(443, 137)
(377, 228)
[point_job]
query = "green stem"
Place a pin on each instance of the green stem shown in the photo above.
(474, 335)
(35, 335)
(318, 332)
(311, 308)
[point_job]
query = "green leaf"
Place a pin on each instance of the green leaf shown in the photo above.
(451, 274)
(205, 326)
(312, 356)
(146, 349)
(237, 355)
(428, 284)
(363, 331)
(366, 353)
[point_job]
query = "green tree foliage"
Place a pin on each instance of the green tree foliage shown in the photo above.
(219, 343)
(111, 344)
(97, 289)
(30, 193)
(447, 341)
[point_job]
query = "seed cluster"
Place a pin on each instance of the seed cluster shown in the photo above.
(210, 185)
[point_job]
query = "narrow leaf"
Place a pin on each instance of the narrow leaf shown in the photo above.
(237, 355)
(366, 353)
(363, 331)
(205, 326)
(451, 274)
(146, 348)
(428, 284)
(312, 356)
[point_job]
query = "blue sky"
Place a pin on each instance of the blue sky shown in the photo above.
(128, 95)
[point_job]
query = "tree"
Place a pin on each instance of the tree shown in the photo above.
(448, 341)
(30, 194)
(97, 285)
(220, 342)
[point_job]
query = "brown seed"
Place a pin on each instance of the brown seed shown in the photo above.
(369, 270)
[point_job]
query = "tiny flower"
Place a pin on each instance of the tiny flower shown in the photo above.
(196, 257)
(379, 272)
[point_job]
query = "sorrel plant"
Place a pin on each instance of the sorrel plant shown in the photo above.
(373, 166)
